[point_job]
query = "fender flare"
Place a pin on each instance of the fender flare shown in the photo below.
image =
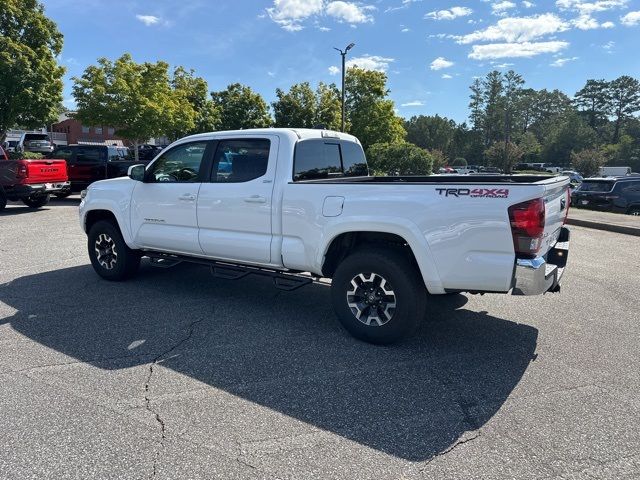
(393, 225)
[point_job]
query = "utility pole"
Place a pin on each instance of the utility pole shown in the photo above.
(343, 54)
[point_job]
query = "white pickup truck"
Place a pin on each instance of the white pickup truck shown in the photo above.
(281, 202)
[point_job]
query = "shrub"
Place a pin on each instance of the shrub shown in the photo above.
(399, 158)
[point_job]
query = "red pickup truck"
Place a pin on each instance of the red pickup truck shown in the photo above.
(31, 181)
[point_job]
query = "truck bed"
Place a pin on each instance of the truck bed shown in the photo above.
(447, 179)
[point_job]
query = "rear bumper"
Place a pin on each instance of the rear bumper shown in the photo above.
(20, 191)
(539, 275)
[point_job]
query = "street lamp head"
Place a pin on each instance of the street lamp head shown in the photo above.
(349, 47)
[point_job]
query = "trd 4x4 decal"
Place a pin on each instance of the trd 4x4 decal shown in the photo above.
(474, 192)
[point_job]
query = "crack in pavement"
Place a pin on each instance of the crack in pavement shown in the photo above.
(147, 397)
(461, 441)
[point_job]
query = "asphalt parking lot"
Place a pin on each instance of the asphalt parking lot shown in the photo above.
(176, 374)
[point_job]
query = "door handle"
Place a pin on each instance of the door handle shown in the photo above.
(255, 199)
(187, 197)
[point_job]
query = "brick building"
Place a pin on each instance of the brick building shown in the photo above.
(77, 133)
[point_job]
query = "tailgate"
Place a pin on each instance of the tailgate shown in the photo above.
(556, 200)
(46, 171)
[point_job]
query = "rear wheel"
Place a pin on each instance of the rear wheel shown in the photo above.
(3, 199)
(378, 295)
(634, 211)
(37, 200)
(109, 254)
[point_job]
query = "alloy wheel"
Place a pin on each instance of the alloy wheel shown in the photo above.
(371, 299)
(106, 253)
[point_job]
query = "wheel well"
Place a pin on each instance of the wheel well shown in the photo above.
(96, 215)
(346, 243)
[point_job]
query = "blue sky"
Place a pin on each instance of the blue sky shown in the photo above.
(431, 50)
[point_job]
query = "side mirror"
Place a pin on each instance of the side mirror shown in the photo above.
(136, 172)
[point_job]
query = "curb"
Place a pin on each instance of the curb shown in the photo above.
(609, 227)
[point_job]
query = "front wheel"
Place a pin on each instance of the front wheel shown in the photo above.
(109, 254)
(378, 295)
(37, 200)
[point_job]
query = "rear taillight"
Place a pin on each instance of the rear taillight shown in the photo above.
(527, 226)
(21, 171)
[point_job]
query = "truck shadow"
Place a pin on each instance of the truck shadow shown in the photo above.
(284, 351)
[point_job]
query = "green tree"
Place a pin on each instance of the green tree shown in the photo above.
(371, 115)
(504, 156)
(136, 98)
(439, 159)
(588, 162)
(328, 106)
(303, 107)
(399, 158)
(241, 108)
(625, 101)
(193, 93)
(30, 77)
(530, 147)
(459, 162)
(594, 100)
(571, 135)
(430, 131)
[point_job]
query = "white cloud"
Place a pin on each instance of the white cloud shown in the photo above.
(414, 103)
(370, 62)
(446, 76)
(515, 50)
(609, 46)
(349, 12)
(631, 19)
(526, 4)
(560, 62)
(501, 7)
(290, 13)
(148, 20)
(450, 14)
(587, 8)
(517, 29)
(333, 70)
(504, 65)
(405, 30)
(440, 63)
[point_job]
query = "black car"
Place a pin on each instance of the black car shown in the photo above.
(619, 195)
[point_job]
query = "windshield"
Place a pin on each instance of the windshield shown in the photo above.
(596, 186)
(36, 136)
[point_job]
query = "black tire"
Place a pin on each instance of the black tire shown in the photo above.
(3, 199)
(109, 254)
(401, 277)
(634, 210)
(37, 200)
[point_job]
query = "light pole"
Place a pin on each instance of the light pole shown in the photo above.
(343, 54)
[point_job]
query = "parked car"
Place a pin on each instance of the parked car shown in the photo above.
(550, 168)
(148, 152)
(32, 181)
(35, 142)
(303, 201)
(10, 146)
(492, 170)
(619, 195)
(88, 163)
(574, 176)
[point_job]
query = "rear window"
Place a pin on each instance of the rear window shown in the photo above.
(317, 159)
(35, 136)
(596, 186)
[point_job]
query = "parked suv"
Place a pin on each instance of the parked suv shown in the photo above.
(620, 195)
(35, 142)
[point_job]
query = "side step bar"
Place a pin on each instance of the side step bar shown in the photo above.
(230, 271)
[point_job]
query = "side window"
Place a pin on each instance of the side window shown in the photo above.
(353, 160)
(63, 153)
(181, 164)
(238, 161)
(317, 159)
(90, 154)
(631, 187)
